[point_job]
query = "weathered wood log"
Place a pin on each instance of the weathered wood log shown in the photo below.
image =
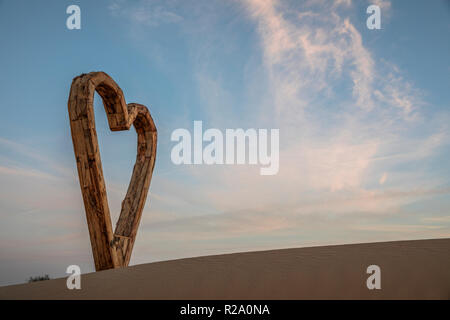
(110, 250)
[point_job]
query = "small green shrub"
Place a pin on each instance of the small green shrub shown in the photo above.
(39, 278)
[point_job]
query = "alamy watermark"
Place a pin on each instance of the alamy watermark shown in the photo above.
(374, 281)
(236, 146)
(74, 280)
(74, 20)
(374, 20)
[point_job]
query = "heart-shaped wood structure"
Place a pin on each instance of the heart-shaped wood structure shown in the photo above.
(110, 250)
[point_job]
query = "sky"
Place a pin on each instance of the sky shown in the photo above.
(363, 119)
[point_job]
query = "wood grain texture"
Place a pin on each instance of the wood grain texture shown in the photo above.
(110, 249)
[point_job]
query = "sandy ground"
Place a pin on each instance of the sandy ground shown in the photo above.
(409, 270)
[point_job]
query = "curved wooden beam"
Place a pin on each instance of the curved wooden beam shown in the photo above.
(110, 250)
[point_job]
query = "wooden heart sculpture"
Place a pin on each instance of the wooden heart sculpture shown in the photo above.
(110, 250)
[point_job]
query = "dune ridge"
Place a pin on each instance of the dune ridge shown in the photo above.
(416, 269)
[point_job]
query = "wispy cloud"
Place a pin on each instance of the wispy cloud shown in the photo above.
(443, 219)
(146, 12)
(346, 120)
(346, 128)
(25, 172)
(21, 151)
(384, 5)
(316, 51)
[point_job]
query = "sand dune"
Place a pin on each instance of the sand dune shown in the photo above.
(409, 270)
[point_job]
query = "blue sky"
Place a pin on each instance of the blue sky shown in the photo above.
(363, 118)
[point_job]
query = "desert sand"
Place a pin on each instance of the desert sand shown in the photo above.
(418, 269)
